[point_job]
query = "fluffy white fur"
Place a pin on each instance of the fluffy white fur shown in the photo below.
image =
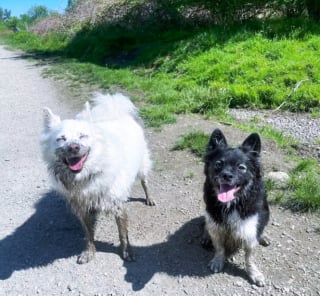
(118, 153)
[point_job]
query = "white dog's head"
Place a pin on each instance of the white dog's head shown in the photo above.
(67, 143)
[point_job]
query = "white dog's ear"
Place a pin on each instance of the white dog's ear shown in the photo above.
(85, 114)
(50, 119)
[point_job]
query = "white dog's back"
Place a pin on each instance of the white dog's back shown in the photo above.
(109, 107)
(120, 113)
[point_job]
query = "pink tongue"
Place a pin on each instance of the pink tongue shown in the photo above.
(227, 192)
(78, 165)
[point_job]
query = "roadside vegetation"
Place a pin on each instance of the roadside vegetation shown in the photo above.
(186, 57)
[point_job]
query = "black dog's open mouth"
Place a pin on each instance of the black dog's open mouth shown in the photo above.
(227, 192)
(76, 164)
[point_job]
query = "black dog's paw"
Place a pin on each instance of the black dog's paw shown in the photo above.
(264, 241)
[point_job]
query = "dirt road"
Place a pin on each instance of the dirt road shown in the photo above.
(40, 239)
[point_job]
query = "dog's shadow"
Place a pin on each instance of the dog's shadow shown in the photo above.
(53, 232)
(180, 255)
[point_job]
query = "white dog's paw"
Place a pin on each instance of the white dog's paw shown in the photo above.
(257, 278)
(216, 264)
(85, 257)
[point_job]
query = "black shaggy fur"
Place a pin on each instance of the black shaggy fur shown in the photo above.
(237, 168)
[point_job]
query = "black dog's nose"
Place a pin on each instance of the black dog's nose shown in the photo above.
(227, 176)
(73, 148)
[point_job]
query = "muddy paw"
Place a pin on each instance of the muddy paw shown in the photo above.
(127, 256)
(264, 241)
(257, 278)
(216, 264)
(150, 202)
(85, 257)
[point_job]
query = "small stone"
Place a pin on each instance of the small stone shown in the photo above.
(276, 286)
(69, 288)
(238, 284)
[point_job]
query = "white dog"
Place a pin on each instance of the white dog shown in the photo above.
(94, 160)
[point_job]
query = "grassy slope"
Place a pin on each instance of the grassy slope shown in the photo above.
(257, 64)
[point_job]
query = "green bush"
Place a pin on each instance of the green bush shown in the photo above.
(304, 181)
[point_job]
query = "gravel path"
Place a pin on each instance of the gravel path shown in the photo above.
(40, 239)
(300, 126)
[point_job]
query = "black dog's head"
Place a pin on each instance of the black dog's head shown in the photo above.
(232, 171)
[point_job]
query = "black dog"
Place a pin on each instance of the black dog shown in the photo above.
(236, 203)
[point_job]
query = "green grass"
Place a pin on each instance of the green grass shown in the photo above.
(205, 70)
(305, 185)
(195, 141)
(269, 132)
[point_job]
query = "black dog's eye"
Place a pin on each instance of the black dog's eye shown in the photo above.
(218, 164)
(242, 167)
(61, 139)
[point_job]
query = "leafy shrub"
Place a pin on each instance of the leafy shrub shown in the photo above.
(304, 181)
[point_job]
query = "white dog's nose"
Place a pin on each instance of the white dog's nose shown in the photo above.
(73, 148)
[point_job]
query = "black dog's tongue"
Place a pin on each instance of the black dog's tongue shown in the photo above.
(227, 192)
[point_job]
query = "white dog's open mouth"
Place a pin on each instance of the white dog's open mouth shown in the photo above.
(76, 164)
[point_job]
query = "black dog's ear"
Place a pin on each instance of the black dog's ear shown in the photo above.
(217, 139)
(253, 143)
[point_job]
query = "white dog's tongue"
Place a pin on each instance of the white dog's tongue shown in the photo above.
(76, 164)
(227, 192)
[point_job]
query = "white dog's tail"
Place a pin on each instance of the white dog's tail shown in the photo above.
(109, 107)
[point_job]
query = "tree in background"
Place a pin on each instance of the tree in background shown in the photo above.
(70, 5)
(33, 15)
(13, 23)
(25, 21)
(38, 12)
(5, 14)
(313, 7)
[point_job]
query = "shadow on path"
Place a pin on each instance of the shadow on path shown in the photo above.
(53, 232)
(181, 255)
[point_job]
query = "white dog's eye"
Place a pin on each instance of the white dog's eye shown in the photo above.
(61, 139)
(82, 136)
(242, 167)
